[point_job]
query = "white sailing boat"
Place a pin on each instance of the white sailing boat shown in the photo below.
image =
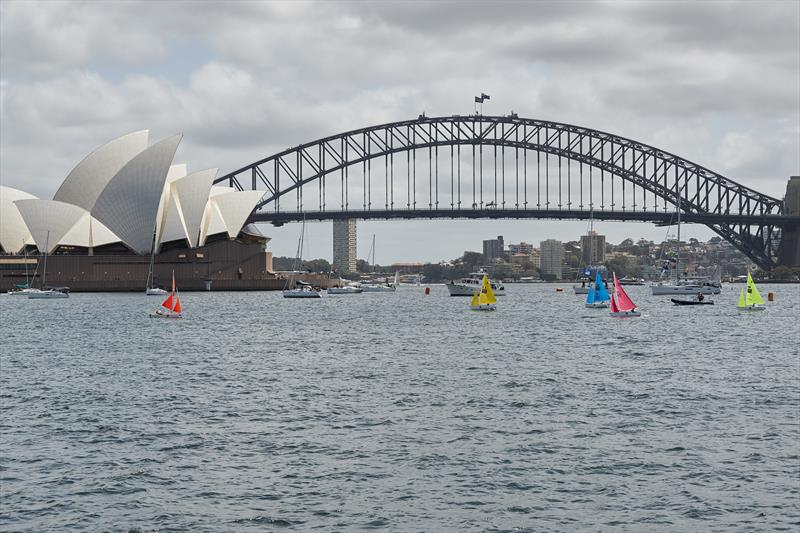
(349, 288)
(376, 287)
(299, 289)
(26, 289)
(151, 290)
(386, 287)
(47, 293)
(685, 287)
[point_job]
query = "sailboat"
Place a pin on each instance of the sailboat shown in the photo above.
(151, 290)
(387, 287)
(584, 275)
(683, 286)
(300, 289)
(484, 299)
(749, 298)
(26, 289)
(374, 287)
(598, 295)
(172, 304)
(45, 293)
(621, 304)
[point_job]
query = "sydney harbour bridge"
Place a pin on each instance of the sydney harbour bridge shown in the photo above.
(485, 167)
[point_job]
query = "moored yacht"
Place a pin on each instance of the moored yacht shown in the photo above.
(468, 285)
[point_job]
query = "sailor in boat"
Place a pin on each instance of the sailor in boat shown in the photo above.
(700, 297)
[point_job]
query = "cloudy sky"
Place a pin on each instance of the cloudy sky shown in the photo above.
(716, 82)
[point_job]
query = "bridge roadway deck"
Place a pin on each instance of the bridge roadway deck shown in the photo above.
(278, 218)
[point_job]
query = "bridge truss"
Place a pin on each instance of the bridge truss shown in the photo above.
(506, 167)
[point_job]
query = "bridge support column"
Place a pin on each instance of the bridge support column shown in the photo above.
(344, 246)
(790, 236)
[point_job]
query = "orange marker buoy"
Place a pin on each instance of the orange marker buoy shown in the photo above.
(428, 290)
(771, 297)
(559, 289)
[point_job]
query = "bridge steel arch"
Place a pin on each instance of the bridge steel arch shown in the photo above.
(650, 184)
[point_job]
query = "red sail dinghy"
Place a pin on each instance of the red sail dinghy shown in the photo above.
(172, 305)
(621, 303)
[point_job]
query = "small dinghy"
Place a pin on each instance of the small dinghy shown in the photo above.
(692, 302)
(172, 305)
(621, 304)
(750, 299)
(598, 295)
(484, 300)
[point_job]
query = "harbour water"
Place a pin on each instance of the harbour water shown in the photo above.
(401, 412)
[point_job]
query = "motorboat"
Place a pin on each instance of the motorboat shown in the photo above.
(468, 285)
(630, 280)
(692, 302)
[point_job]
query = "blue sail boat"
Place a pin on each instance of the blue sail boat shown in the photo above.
(598, 295)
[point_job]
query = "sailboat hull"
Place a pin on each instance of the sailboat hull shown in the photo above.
(378, 288)
(626, 314)
(301, 294)
(483, 307)
(156, 292)
(597, 305)
(666, 290)
(158, 314)
(754, 307)
(580, 290)
(47, 295)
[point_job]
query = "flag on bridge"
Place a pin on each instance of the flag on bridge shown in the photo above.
(478, 100)
(485, 96)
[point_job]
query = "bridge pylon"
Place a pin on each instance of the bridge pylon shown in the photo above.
(790, 239)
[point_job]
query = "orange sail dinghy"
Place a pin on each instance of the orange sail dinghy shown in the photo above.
(171, 306)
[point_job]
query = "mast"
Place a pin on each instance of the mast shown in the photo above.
(678, 253)
(25, 251)
(373, 253)
(44, 272)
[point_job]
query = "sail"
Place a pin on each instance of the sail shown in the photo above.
(601, 294)
(169, 302)
(487, 295)
(590, 296)
(475, 300)
(624, 303)
(741, 299)
(614, 308)
(396, 278)
(753, 296)
(177, 307)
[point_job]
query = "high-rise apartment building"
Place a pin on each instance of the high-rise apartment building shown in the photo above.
(521, 248)
(593, 249)
(344, 246)
(551, 257)
(493, 248)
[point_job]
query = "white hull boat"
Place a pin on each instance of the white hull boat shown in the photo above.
(301, 293)
(625, 314)
(349, 289)
(378, 288)
(23, 292)
(683, 289)
(155, 291)
(47, 295)
(754, 307)
(484, 307)
(580, 289)
(468, 286)
(597, 305)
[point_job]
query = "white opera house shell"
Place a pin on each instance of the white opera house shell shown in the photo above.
(129, 194)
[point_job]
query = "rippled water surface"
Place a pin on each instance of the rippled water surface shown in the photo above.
(399, 412)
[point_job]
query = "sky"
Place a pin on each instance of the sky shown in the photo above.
(716, 82)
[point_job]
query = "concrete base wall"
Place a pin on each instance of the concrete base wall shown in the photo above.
(224, 265)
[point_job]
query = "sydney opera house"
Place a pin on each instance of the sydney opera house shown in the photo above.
(124, 203)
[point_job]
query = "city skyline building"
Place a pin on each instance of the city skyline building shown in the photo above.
(593, 248)
(344, 246)
(493, 248)
(552, 258)
(521, 248)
